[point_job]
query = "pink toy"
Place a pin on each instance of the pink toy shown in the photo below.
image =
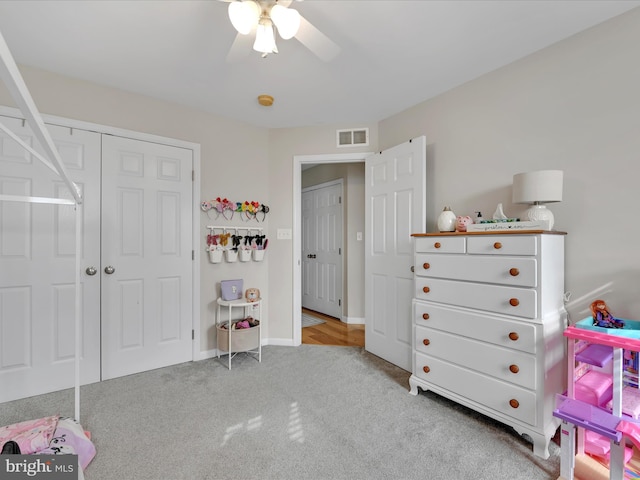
(243, 324)
(586, 406)
(462, 222)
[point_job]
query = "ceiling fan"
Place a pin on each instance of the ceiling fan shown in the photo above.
(258, 21)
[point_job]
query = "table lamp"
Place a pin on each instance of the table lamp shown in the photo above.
(538, 188)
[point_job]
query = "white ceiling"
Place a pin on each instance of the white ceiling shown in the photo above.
(393, 54)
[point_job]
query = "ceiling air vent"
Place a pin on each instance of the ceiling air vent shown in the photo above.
(356, 137)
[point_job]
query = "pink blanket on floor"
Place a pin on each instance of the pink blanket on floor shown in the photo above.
(51, 436)
(70, 438)
(32, 435)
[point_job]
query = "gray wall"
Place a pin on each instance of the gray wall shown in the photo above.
(574, 106)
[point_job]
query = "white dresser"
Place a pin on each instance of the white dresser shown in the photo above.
(488, 317)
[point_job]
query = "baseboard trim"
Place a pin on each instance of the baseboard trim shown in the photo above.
(282, 342)
(353, 320)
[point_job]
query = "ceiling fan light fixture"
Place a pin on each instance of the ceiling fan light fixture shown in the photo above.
(244, 15)
(265, 38)
(286, 20)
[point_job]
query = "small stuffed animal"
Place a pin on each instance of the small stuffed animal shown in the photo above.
(462, 222)
(252, 294)
(252, 321)
(242, 324)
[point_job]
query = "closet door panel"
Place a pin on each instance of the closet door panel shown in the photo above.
(37, 265)
(146, 225)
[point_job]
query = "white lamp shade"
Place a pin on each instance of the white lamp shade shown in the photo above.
(265, 39)
(543, 186)
(244, 15)
(286, 20)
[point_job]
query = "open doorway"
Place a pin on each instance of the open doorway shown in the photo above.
(323, 252)
(350, 167)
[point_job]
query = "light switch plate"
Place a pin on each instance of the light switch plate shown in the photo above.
(284, 234)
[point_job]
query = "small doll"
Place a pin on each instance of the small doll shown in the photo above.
(602, 317)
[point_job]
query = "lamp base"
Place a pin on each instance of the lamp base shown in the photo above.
(540, 212)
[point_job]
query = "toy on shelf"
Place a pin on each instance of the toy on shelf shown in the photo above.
(600, 433)
(462, 222)
(602, 317)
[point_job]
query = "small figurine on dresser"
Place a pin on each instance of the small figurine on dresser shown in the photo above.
(602, 317)
(462, 222)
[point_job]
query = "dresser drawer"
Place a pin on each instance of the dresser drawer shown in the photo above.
(503, 245)
(512, 334)
(517, 271)
(520, 302)
(503, 397)
(440, 244)
(504, 364)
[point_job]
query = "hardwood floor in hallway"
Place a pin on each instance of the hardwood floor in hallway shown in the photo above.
(332, 332)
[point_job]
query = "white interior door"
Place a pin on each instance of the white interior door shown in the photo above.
(395, 191)
(322, 249)
(37, 265)
(146, 239)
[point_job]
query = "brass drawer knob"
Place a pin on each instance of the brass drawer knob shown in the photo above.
(425, 289)
(497, 245)
(514, 272)
(425, 316)
(426, 341)
(514, 403)
(513, 336)
(426, 369)
(426, 266)
(437, 245)
(514, 368)
(514, 302)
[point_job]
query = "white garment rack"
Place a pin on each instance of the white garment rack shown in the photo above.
(12, 79)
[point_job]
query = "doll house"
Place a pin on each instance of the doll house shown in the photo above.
(600, 412)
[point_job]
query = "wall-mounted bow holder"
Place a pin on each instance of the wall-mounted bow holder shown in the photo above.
(245, 211)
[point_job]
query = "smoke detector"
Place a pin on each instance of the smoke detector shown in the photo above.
(265, 100)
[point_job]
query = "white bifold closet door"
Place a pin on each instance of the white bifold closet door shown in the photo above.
(146, 240)
(37, 265)
(137, 206)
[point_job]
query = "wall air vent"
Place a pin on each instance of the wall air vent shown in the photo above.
(356, 137)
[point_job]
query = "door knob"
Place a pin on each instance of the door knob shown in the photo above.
(91, 271)
(109, 270)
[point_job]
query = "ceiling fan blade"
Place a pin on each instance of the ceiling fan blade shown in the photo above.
(316, 41)
(241, 47)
